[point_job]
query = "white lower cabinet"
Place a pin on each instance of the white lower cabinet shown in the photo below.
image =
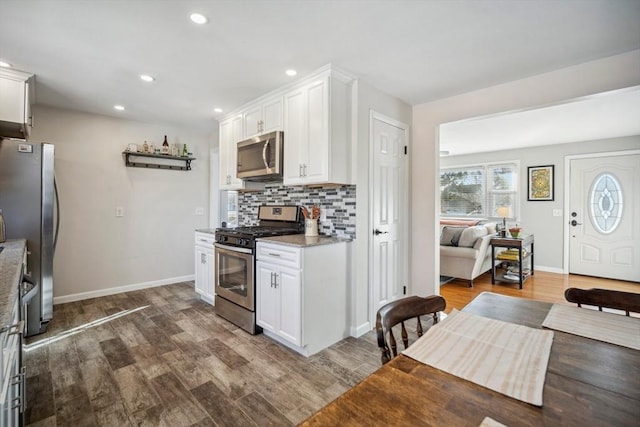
(205, 267)
(278, 296)
(302, 294)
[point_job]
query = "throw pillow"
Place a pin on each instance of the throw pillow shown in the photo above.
(471, 234)
(451, 235)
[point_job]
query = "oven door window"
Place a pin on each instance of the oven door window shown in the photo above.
(234, 277)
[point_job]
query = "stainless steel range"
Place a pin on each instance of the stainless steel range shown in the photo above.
(235, 262)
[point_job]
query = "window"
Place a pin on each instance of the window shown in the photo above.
(479, 190)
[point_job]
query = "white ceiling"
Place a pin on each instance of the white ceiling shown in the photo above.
(87, 55)
(606, 115)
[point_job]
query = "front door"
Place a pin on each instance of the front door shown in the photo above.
(389, 210)
(604, 216)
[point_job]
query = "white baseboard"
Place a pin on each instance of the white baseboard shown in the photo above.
(550, 269)
(360, 330)
(120, 289)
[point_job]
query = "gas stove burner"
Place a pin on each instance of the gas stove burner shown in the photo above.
(274, 221)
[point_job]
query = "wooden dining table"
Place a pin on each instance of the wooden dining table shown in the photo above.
(588, 383)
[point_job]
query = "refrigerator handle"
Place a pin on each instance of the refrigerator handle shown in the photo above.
(57, 202)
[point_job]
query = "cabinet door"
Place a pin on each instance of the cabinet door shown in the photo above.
(290, 321)
(252, 122)
(294, 135)
(272, 115)
(203, 268)
(12, 104)
(225, 145)
(316, 161)
(230, 131)
(211, 277)
(267, 304)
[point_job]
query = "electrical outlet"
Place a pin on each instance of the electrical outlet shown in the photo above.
(557, 212)
(199, 210)
(323, 215)
(119, 211)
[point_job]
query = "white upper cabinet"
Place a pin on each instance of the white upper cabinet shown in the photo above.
(316, 116)
(317, 131)
(16, 98)
(262, 118)
(230, 134)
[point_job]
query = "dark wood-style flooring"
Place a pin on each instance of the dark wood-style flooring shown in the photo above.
(161, 357)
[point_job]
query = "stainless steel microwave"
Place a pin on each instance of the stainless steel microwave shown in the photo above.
(260, 158)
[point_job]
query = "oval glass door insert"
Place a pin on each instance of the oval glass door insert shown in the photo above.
(606, 203)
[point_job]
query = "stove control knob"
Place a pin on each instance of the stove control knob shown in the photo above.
(243, 242)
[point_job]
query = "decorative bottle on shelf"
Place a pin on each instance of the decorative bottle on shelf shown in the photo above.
(165, 146)
(145, 147)
(185, 152)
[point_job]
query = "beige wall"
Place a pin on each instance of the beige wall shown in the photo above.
(597, 76)
(153, 242)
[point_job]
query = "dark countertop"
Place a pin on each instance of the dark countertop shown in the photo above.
(302, 241)
(10, 268)
(206, 230)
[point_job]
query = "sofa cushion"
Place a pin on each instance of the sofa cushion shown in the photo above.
(450, 235)
(462, 222)
(469, 235)
(453, 252)
(491, 227)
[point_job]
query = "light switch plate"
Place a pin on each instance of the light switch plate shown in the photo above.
(119, 211)
(199, 210)
(557, 212)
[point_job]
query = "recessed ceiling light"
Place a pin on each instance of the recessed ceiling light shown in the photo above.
(5, 64)
(199, 18)
(119, 107)
(218, 110)
(291, 73)
(146, 77)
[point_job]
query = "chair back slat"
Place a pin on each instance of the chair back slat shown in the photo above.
(628, 302)
(399, 311)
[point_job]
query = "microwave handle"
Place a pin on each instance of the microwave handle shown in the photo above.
(264, 154)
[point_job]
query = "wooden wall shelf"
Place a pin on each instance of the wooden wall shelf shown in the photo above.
(128, 155)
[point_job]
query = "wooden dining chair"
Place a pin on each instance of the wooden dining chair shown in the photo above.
(398, 311)
(629, 302)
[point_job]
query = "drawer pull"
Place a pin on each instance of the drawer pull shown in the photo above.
(272, 254)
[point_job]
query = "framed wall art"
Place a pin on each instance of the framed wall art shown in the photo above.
(540, 183)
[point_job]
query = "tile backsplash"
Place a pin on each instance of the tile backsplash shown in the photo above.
(337, 203)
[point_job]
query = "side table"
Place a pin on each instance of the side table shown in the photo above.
(524, 246)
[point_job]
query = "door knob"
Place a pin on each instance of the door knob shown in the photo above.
(574, 223)
(377, 232)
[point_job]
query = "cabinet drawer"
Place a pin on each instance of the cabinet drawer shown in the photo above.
(287, 256)
(205, 239)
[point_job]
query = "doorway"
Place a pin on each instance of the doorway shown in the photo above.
(603, 206)
(389, 245)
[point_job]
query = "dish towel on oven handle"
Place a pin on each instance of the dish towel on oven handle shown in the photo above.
(508, 358)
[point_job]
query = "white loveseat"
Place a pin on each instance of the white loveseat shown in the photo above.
(465, 252)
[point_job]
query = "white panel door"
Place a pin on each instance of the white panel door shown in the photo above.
(389, 209)
(289, 284)
(605, 217)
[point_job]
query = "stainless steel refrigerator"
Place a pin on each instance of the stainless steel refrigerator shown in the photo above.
(27, 200)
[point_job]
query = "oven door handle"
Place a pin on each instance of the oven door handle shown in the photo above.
(233, 249)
